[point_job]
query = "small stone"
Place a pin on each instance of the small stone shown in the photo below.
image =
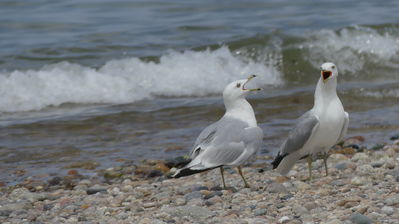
(96, 189)
(195, 212)
(286, 196)
(206, 193)
(355, 140)
(358, 218)
(302, 186)
(260, 211)
(392, 200)
(336, 158)
(146, 221)
(390, 164)
(377, 147)
(377, 164)
(395, 137)
(390, 152)
(73, 172)
(24, 194)
(338, 183)
(341, 166)
(180, 201)
(334, 221)
(351, 204)
(346, 151)
(161, 167)
(155, 173)
(174, 148)
(127, 188)
(387, 210)
(358, 181)
(112, 174)
(88, 165)
(299, 209)
(360, 156)
(276, 188)
(199, 188)
(84, 182)
(282, 179)
(310, 205)
(55, 181)
(192, 195)
(365, 169)
(362, 210)
(213, 194)
(149, 205)
(216, 188)
(284, 219)
(209, 203)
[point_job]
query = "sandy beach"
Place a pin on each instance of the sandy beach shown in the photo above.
(362, 188)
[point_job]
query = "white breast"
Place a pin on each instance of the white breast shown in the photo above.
(331, 119)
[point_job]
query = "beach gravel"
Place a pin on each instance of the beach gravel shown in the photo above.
(361, 188)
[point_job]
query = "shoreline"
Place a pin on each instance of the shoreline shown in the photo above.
(363, 187)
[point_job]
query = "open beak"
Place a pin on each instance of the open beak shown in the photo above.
(249, 78)
(326, 75)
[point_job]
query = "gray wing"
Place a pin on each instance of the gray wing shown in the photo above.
(344, 128)
(205, 137)
(224, 143)
(242, 145)
(303, 130)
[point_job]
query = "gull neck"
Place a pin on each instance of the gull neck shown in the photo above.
(325, 92)
(240, 109)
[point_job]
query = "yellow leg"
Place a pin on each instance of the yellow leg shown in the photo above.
(242, 176)
(310, 166)
(221, 172)
(325, 157)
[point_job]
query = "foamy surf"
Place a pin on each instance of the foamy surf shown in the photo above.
(354, 48)
(188, 73)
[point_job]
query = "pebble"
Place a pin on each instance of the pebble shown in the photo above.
(192, 195)
(260, 211)
(195, 212)
(284, 219)
(96, 189)
(358, 218)
(392, 200)
(276, 188)
(387, 210)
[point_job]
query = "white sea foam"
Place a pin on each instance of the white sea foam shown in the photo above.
(189, 73)
(352, 48)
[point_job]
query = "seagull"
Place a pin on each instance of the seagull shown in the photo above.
(230, 141)
(318, 129)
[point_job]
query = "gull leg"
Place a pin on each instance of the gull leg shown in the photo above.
(310, 166)
(325, 157)
(242, 176)
(221, 172)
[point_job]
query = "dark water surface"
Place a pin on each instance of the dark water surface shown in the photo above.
(103, 81)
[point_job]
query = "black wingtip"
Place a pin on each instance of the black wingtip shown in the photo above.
(277, 160)
(187, 171)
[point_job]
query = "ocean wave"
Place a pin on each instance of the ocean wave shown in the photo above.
(189, 73)
(354, 48)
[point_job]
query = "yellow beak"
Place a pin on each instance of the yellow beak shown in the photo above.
(249, 78)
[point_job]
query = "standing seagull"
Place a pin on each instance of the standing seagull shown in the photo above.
(230, 141)
(317, 130)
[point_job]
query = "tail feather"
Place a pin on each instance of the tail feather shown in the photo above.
(278, 160)
(188, 171)
(285, 164)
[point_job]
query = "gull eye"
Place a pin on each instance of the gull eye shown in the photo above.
(333, 67)
(238, 85)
